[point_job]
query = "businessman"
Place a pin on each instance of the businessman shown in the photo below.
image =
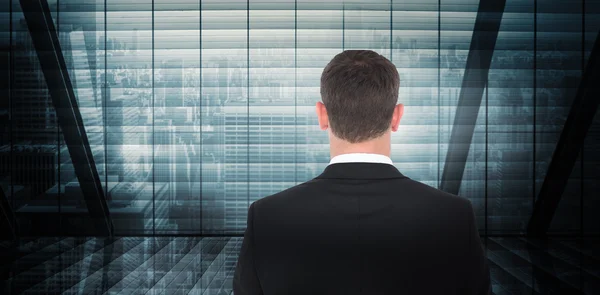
(361, 226)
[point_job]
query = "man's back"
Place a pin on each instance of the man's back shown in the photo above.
(361, 228)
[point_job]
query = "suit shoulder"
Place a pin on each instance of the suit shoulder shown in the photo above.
(284, 194)
(437, 195)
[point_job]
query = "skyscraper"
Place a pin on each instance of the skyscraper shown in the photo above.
(31, 166)
(173, 82)
(90, 104)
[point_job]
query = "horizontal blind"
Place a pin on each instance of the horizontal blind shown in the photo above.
(195, 109)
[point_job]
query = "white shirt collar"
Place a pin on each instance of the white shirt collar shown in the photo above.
(361, 157)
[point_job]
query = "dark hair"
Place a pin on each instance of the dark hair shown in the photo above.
(360, 90)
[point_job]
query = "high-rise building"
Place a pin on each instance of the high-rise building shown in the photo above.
(512, 167)
(122, 117)
(271, 139)
(164, 154)
(212, 152)
(182, 162)
(173, 82)
(223, 81)
(85, 21)
(165, 173)
(90, 105)
(33, 166)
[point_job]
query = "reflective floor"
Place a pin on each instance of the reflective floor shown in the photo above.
(192, 265)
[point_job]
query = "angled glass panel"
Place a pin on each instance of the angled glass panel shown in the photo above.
(510, 123)
(559, 64)
(78, 24)
(36, 176)
(473, 181)
(457, 20)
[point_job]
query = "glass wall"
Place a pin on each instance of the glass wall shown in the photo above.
(507, 118)
(195, 109)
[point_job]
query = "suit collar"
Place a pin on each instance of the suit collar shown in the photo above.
(361, 157)
(360, 170)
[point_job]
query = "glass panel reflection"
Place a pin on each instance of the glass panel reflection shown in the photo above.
(195, 109)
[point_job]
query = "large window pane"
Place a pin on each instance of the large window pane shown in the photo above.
(194, 109)
(127, 86)
(177, 136)
(510, 123)
(558, 72)
(320, 38)
(32, 176)
(272, 100)
(457, 20)
(224, 117)
(415, 54)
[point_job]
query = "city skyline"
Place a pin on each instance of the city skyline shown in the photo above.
(207, 114)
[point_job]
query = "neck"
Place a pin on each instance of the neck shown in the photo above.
(380, 145)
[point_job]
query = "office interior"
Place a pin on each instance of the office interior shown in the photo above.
(135, 134)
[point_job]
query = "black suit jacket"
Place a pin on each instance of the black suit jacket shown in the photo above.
(361, 228)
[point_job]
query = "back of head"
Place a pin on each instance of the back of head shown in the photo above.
(359, 89)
